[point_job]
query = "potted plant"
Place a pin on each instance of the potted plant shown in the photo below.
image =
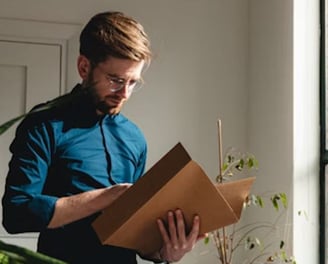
(249, 241)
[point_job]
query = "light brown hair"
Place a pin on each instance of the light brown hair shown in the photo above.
(114, 34)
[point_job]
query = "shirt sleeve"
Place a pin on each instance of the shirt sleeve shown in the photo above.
(25, 207)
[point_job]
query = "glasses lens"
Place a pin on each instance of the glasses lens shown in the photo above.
(116, 86)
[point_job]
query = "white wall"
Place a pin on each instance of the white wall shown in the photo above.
(271, 105)
(284, 113)
(228, 59)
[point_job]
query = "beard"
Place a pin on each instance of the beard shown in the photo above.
(110, 104)
(106, 108)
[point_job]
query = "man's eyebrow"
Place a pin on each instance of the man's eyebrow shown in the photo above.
(114, 75)
(117, 77)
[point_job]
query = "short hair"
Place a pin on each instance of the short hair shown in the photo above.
(113, 34)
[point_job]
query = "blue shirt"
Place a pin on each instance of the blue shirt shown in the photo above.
(64, 151)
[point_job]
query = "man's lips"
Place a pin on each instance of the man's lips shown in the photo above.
(115, 102)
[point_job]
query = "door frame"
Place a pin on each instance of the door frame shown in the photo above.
(62, 34)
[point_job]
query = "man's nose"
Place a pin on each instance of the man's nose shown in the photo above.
(125, 91)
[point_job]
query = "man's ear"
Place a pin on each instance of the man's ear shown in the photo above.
(83, 67)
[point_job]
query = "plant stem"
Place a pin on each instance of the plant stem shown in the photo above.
(220, 149)
(250, 231)
(261, 255)
(224, 245)
(218, 242)
(231, 243)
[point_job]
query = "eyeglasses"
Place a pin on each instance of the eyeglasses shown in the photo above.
(117, 84)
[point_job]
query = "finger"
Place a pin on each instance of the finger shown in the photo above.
(181, 227)
(163, 231)
(194, 233)
(172, 229)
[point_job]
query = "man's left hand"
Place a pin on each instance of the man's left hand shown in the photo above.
(176, 243)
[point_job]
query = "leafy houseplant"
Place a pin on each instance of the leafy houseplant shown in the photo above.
(250, 241)
(11, 254)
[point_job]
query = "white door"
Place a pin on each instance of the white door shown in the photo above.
(30, 73)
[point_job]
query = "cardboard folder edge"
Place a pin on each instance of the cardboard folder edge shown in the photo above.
(135, 196)
(244, 185)
(125, 229)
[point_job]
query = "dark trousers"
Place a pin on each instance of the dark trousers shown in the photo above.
(78, 244)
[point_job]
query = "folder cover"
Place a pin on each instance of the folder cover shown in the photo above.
(175, 181)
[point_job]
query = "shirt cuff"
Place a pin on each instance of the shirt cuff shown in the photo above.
(43, 207)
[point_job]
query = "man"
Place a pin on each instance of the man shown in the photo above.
(71, 161)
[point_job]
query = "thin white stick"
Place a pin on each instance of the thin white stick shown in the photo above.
(220, 148)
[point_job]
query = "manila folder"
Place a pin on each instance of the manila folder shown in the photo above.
(175, 181)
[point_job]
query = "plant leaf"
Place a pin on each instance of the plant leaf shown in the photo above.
(5, 126)
(274, 199)
(260, 201)
(58, 101)
(283, 197)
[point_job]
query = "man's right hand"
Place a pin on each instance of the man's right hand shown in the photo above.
(75, 207)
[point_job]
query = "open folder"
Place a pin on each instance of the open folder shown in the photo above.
(175, 181)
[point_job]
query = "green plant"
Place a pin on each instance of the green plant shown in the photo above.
(249, 240)
(56, 102)
(12, 254)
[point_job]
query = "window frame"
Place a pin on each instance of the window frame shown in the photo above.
(323, 148)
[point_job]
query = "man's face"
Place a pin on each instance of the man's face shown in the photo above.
(111, 82)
